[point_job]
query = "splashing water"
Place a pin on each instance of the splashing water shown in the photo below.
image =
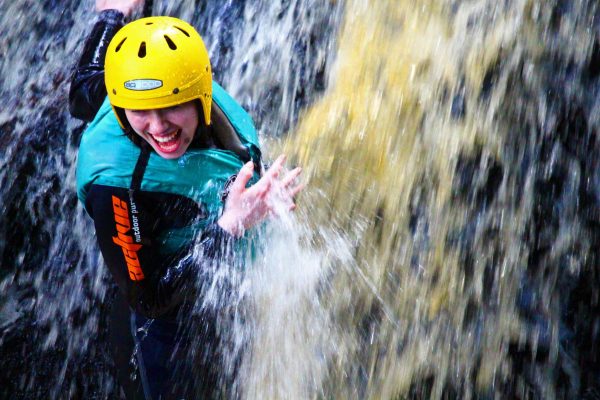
(446, 246)
(142, 332)
(442, 128)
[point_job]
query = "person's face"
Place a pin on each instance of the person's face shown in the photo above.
(168, 130)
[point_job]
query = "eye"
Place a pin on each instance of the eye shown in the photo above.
(172, 109)
(136, 114)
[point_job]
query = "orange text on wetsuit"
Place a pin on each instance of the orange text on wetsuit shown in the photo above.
(125, 241)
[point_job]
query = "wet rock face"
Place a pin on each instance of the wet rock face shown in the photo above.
(567, 193)
(477, 179)
(550, 160)
(562, 280)
(38, 320)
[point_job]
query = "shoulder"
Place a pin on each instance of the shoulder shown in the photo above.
(106, 156)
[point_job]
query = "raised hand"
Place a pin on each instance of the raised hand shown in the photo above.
(125, 6)
(245, 207)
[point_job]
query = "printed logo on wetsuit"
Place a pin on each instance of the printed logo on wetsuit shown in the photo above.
(125, 241)
(143, 84)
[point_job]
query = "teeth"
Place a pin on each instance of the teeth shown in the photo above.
(164, 139)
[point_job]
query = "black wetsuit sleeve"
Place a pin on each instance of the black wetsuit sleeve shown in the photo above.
(87, 91)
(127, 229)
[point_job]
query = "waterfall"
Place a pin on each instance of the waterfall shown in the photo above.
(446, 245)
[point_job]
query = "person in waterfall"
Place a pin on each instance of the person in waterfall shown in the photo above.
(168, 160)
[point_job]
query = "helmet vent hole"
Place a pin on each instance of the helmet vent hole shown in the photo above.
(184, 32)
(172, 45)
(149, 23)
(120, 44)
(142, 51)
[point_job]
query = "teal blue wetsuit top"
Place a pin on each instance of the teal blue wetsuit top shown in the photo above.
(148, 211)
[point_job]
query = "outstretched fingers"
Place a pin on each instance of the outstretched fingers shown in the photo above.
(290, 177)
(242, 178)
(297, 189)
(275, 169)
(266, 181)
(262, 188)
(288, 182)
(125, 6)
(247, 206)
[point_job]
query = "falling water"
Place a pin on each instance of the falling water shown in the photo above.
(464, 135)
(446, 245)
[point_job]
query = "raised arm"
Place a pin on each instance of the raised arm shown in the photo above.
(87, 91)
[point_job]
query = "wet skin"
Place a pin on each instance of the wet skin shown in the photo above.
(168, 130)
(171, 130)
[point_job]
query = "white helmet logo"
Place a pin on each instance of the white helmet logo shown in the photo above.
(143, 84)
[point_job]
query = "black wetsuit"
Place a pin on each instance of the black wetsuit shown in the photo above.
(169, 280)
(164, 287)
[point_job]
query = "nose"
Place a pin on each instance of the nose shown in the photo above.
(156, 122)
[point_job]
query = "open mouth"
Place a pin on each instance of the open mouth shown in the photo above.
(167, 143)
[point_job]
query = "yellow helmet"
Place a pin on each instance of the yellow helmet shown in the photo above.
(157, 62)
